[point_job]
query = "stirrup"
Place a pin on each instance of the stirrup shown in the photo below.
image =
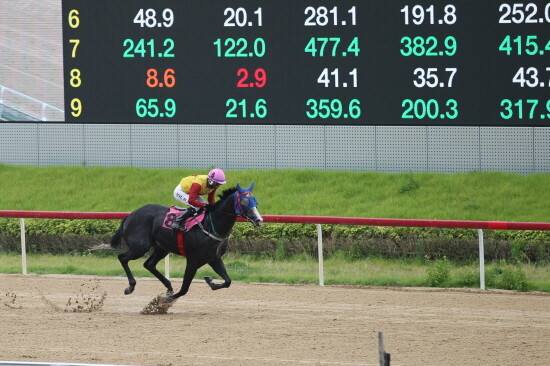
(177, 225)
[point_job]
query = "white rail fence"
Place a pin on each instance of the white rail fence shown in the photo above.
(317, 220)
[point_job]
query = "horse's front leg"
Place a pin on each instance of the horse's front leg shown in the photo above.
(218, 266)
(190, 272)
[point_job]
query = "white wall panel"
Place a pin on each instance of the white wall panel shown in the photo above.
(300, 147)
(108, 145)
(401, 148)
(541, 150)
(202, 146)
(453, 149)
(350, 148)
(19, 144)
(250, 147)
(507, 149)
(61, 144)
(155, 146)
(521, 150)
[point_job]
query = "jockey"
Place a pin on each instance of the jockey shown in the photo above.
(191, 188)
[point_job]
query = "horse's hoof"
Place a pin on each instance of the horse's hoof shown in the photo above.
(208, 279)
(169, 292)
(128, 290)
(169, 299)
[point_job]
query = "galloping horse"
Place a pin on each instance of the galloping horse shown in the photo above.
(205, 242)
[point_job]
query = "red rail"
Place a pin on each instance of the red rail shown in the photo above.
(457, 224)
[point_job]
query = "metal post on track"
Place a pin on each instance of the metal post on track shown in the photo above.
(320, 254)
(167, 266)
(384, 357)
(481, 260)
(23, 247)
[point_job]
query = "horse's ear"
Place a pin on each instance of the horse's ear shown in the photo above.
(238, 187)
(251, 186)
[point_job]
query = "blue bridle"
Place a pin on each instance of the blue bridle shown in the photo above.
(244, 200)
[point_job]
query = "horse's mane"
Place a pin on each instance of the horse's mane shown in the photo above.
(226, 193)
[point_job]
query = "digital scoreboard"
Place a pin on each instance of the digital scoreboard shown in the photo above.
(307, 62)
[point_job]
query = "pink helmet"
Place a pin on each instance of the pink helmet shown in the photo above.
(217, 175)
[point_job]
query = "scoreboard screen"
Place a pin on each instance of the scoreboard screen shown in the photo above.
(307, 62)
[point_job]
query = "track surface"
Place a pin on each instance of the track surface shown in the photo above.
(258, 324)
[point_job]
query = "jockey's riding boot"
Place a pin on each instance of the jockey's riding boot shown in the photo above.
(177, 224)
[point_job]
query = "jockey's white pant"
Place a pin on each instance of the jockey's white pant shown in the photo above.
(183, 197)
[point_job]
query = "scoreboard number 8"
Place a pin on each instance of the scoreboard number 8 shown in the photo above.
(75, 78)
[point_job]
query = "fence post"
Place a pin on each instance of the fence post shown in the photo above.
(481, 260)
(320, 254)
(167, 266)
(23, 247)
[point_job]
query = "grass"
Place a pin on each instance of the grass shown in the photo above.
(488, 196)
(296, 270)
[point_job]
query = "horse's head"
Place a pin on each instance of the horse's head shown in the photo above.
(246, 205)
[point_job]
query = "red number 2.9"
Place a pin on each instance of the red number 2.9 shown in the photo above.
(260, 78)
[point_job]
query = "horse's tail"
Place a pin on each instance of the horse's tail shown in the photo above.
(116, 240)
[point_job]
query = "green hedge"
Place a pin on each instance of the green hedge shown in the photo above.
(276, 240)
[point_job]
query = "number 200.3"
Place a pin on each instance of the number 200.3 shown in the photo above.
(431, 109)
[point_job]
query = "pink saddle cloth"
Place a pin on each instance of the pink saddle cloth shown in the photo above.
(173, 213)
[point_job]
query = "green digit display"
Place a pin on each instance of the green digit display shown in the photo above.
(239, 109)
(529, 45)
(331, 46)
(428, 46)
(332, 108)
(145, 48)
(153, 108)
(240, 47)
(450, 46)
(170, 107)
(521, 109)
(430, 109)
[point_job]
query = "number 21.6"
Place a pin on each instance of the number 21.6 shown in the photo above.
(239, 109)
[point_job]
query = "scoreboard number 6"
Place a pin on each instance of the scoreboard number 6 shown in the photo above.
(74, 20)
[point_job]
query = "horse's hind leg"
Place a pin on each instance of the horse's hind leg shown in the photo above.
(151, 265)
(218, 266)
(124, 258)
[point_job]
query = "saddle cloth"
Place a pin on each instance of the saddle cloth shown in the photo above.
(171, 216)
(173, 213)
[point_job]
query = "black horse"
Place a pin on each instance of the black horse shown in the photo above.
(148, 227)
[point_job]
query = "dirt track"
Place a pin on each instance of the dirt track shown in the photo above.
(256, 324)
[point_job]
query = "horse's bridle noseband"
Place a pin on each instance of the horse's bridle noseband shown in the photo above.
(241, 211)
